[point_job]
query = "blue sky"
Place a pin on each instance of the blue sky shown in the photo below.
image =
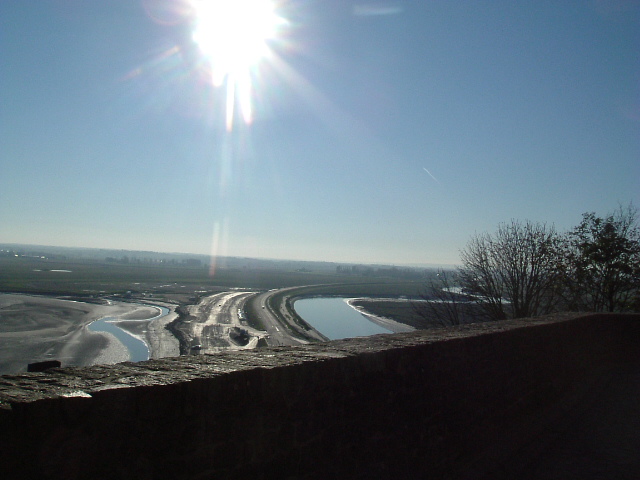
(383, 132)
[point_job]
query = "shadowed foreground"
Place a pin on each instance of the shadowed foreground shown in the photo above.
(539, 398)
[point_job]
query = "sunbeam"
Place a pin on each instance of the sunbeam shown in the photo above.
(233, 38)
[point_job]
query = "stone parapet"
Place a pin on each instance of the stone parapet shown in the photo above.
(426, 404)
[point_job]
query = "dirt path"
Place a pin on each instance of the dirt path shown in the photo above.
(215, 324)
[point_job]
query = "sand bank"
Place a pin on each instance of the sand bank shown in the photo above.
(384, 322)
(38, 328)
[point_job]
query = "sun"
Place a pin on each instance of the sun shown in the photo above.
(233, 37)
(233, 34)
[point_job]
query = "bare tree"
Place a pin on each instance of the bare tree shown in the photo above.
(442, 302)
(515, 272)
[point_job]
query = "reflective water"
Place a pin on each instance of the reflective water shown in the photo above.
(335, 319)
(138, 350)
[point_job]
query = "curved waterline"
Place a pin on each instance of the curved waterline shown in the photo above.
(335, 319)
(138, 348)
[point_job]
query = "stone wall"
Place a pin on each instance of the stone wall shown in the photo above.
(426, 404)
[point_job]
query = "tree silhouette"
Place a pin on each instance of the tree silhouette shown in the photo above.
(603, 262)
(442, 302)
(515, 272)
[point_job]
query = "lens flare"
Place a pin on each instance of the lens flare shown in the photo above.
(233, 37)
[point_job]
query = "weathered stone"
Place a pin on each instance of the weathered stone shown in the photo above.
(425, 404)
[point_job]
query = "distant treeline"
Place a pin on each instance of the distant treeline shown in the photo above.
(125, 260)
(394, 272)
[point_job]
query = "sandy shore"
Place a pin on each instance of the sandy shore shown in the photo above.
(151, 330)
(39, 328)
(384, 322)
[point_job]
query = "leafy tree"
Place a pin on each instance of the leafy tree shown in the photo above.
(515, 272)
(603, 262)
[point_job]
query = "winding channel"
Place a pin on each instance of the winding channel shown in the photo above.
(138, 349)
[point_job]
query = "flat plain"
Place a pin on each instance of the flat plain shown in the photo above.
(39, 328)
(48, 303)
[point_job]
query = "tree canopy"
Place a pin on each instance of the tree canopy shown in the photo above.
(603, 262)
(526, 269)
(513, 273)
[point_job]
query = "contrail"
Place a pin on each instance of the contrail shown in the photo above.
(431, 175)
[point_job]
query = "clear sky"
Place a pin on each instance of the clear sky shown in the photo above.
(375, 132)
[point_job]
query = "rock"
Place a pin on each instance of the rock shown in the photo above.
(42, 366)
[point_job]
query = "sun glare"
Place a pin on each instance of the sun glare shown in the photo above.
(232, 36)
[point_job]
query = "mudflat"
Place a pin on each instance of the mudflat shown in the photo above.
(38, 328)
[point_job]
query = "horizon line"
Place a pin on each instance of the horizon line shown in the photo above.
(273, 259)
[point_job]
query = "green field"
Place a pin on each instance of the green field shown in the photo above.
(82, 277)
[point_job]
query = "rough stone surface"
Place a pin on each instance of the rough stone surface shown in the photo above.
(464, 402)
